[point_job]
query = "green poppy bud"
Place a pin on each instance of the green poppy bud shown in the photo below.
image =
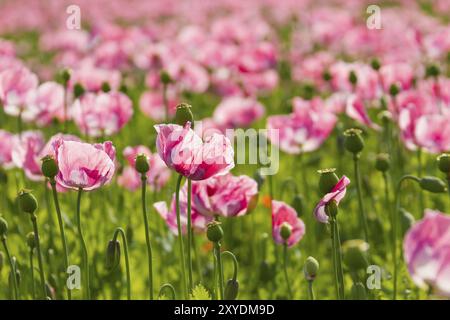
(285, 231)
(165, 77)
(375, 64)
(359, 291)
(311, 268)
(432, 71)
(141, 164)
(308, 91)
(354, 142)
(353, 78)
(385, 116)
(112, 255)
(78, 90)
(407, 220)
(327, 76)
(31, 240)
(49, 167)
(394, 90)
(123, 88)
(27, 201)
(214, 231)
(65, 76)
(331, 208)
(383, 162)
(231, 289)
(328, 179)
(3, 228)
(355, 254)
(106, 87)
(184, 114)
(444, 163)
(432, 184)
(297, 204)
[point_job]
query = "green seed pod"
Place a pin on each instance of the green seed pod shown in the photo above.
(297, 204)
(375, 64)
(123, 88)
(231, 289)
(353, 78)
(311, 268)
(65, 76)
(328, 179)
(385, 116)
(354, 142)
(27, 201)
(49, 167)
(432, 71)
(359, 291)
(331, 209)
(394, 90)
(31, 241)
(444, 163)
(78, 90)
(355, 254)
(141, 164)
(112, 255)
(327, 76)
(432, 184)
(383, 162)
(3, 228)
(285, 231)
(165, 77)
(184, 114)
(106, 87)
(214, 231)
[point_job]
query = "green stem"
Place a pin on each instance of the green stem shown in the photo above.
(189, 233)
(19, 123)
(337, 260)
(147, 235)
(127, 262)
(180, 237)
(220, 269)
(311, 290)
(170, 288)
(33, 290)
(39, 254)
(13, 269)
(419, 174)
(362, 212)
(235, 263)
(285, 262)
(61, 231)
(83, 246)
(165, 102)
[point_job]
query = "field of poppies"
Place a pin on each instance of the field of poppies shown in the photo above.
(222, 150)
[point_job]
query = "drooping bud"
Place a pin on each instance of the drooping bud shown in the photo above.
(285, 231)
(353, 78)
(394, 90)
(49, 167)
(354, 142)
(328, 179)
(311, 268)
(184, 114)
(383, 162)
(231, 289)
(355, 254)
(27, 201)
(31, 240)
(214, 232)
(444, 163)
(3, 228)
(433, 184)
(375, 64)
(359, 291)
(78, 90)
(112, 255)
(106, 87)
(141, 164)
(165, 77)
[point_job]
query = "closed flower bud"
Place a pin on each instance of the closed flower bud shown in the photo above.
(375, 64)
(123, 88)
(353, 78)
(285, 231)
(328, 179)
(326, 76)
(297, 204)
(354, 142)
(311, 268)
(78, 90)
(112, 255)
(383, 162)
(3, 228)
(444, 163)
(106, 87)
(65, 77)
(231, 289)
(214, 232)
(394, 90)
(49, 167)
(355, 254)
(165, 77)
(432, 184)
(141, 164)
(359, 291)
(406, 219)
(184, 114)
(31, 240)
(385, 116)
(27, 201)
(432, 71)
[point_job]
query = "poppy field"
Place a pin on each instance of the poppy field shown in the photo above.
(224, 150)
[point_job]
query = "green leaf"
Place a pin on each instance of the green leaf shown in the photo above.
(200, 293)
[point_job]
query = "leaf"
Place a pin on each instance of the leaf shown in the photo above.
(200, 293)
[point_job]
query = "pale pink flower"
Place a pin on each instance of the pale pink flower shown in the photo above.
(6, 147)
(285, 214)
(235, 112)
(356, 109)
(336, 194)
(399, 74)
(188, 76)
(152, 104)
(92, 78)
(433, 132)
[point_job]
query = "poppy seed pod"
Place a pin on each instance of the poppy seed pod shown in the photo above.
(382, 162)
(375, 64)
(214, 231)
(106, 87)
(328, 179)
(359, 291)
(355, 254)
(353, 78)
(27, 201)
(354, 142)
(394, 90)
(49, 167)
(311, 268)
(78, 90)
(184, 114)
(165, 77)
(141, 164)
(112, 255)
(444, 163)
(231, 289)
(327, 76)
(285, 231)
(3, 228)
(432, 184)
(432, 71)
(31, 240)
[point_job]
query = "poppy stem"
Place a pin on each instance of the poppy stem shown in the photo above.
(180, 238)
(235, 263)
(285, 262)
(419, 174)
(311, 294)
(189, 232)
(220, 269)
(170, 288)
(337, 257)
(147, 235)
(39, 254)
(83, 246)
(127, 262)
(362, 212)
(13, 269)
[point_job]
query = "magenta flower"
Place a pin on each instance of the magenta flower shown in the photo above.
(336, 194)
(6, 147)
(83, 165)
(184, 151)
(282, 214)
(426, 249)
(237, 112)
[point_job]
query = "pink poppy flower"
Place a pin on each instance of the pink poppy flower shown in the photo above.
(184, 151)
(83, 165)
(152, 104)
(103, 113)
(235, 112)
(427, 252)
(400, 74)
(357, 110)
(433, 132)
(6, 147)
(92, 78)
(188, 76)
(336, 194)
(129, 179)
(281, 214)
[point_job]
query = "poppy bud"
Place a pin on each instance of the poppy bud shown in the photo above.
(31, 240)
(285, 231)
(214, 232)
(112, 255)
(375, 64)
(394, 90)
(432, 184)
(444, 163)
(331, 208)
(165, 77)
(184, 114)
(328, 179)
(123, 88)
(141, 164)
(383, 162)
(353, 78)
(326, 76)
(3, 228)
(65, 76)
(432, 71)
(27, 201)
(78, 90)
(49, 167)
(106, 87)
(355, 254)
(297, 204)
(354, 142)
(311, 268)
(359, 291)
(385, 116)
(406, 219)
(231, 289)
